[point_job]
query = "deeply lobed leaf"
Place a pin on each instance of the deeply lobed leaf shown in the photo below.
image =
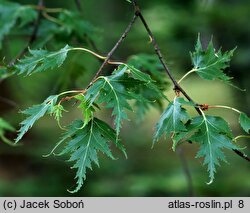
(115, 97)
(212, 134)
(41, 60)
(34, 113)
(115, 91)
(83, 144)
(210, 64)
(172, 121)
(245, 122)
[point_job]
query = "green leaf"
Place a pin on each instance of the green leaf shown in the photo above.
(112, 91)
(74, 25)
(4, 127)
(87, 110)
(212, 134)
(56, 111)
(245, 122)
(115, 97)
(41, 60)
(209, 64)
(34, 113)
(26, 15)
(150, 65)
(148, 88)
(9, 14)
(126, 73)
(83, 145)
(137, 74)
(143, 77)
(4, 73)
(172, 120)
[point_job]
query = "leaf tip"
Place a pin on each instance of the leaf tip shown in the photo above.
(210, 182)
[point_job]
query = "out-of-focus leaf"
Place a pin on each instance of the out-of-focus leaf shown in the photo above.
(9, 14)
(112, 91)
(4, 127)
(151, 65)
(73, 24)
(5, 73)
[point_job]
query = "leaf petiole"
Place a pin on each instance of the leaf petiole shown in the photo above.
(225, 107)
(187, 74)
(48, 10)
(51, 18)
(97, 55)
(70, 91)
(240, 137)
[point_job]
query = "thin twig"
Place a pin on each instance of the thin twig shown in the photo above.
(51, 18)
(186, 171)
(242, 155)
(124, 35)
(177, 86)
(8, 101)
(33, 35)
(48, 10)
(78, 5)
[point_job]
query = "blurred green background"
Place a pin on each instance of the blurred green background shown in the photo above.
(146, 172)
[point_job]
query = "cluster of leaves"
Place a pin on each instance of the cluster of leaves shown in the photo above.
(64, 26)
(20, 14)
(139, 84)
(85, 138)
(212, 133)
(88, 136)
(151, 65)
